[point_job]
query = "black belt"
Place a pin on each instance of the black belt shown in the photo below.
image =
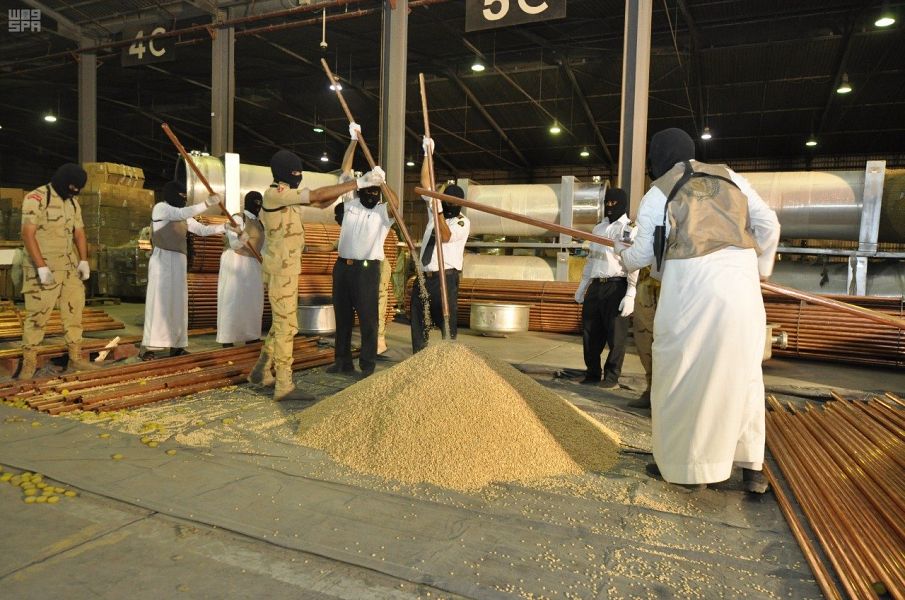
(353, 261)
(435, 273)
(606, 279)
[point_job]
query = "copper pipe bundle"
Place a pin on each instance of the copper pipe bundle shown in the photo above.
(822, 333)
(845, 465)
(93, 319)
(88, 345)
(315, 282)
(153, 381)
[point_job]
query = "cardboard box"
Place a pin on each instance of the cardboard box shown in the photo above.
(13, 196)
(115, 174)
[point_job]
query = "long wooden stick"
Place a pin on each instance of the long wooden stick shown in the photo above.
(204, 182)
(429, 157)
(367, 152)
(851, 309)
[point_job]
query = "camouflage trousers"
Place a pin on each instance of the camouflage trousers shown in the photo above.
(385, 273)
(646, 298)
(283, 291)
(69, 291)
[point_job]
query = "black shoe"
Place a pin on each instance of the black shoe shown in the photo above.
(643, 402)
(147, 355)
(338, 368)
(227, 345)
(366, 373)
(178, 352)
(609, 384)
(754, 482)
(588, 380)
(653, 471)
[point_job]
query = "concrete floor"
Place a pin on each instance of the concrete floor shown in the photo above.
(656, 541)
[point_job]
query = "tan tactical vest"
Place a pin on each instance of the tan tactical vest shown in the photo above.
(706, 214)
(173, 236)
(55, 221)
(255, 231)
(285, 234)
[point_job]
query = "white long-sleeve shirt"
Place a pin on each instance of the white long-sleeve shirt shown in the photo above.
(603, 261)
(163, 212)
(454, 249)
(764, 224)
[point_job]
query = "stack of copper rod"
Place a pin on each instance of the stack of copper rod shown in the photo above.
(315, 282)
(845, 464)
(93, 319)
(553, 307)
(88, 345)
(822, 333)
(152, 381)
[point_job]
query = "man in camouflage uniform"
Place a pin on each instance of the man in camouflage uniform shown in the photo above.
(647, 295)
(281, 215)
(55, 266)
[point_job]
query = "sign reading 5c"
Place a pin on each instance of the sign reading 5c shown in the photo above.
(489, 14)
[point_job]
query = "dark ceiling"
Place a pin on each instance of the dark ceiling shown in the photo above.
(760, 74)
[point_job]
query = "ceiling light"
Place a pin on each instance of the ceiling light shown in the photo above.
(844, 87)
(477, 66)
(50, 118)
(811, 142)
(706, 135)
(885, 20)
(324, 157)
(318, 128)
(555, 128)
(336, 88)
(410, 163)
(584, 152)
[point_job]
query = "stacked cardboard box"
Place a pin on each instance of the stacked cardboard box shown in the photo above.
(122, 272)
(11, 213)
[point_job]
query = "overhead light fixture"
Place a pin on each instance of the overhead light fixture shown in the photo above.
(410, 163)
(317, 128)
(338, 87)
(555, 129)
(706, 135)
(844, 87)
(812, 141)
(885, 21)
(584, 152)
(477, 66)
(324, 157)
(50, 117)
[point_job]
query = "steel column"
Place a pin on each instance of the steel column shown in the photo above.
(87, 104)
(393, 70)
(223, 90)
(635, 80)
(871, 200)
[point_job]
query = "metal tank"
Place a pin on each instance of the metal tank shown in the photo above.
(884, 278)
(522, 268)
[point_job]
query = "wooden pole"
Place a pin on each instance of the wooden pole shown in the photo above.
(441, 263)
(851, 309)
(204, 182)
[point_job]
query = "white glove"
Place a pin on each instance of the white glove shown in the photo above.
(46, 276)
(237, 229)
(243, 237)
(371, 178)
(428, 145)
(213, 200)
(84, 270)
(627, 306)
(355, 131)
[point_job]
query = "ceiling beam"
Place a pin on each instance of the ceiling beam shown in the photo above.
(570, 75)
(696, 68)
(487, 117)
(65, 27)
(841, 58)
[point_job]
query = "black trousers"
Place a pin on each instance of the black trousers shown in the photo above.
(355, 290)
(601, 325)
(420, 329)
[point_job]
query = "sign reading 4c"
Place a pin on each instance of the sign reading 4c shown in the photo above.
(490, 14)
(146, 47)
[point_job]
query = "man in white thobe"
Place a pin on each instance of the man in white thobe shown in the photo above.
(240, 289)
(716, 238)
(166, 303)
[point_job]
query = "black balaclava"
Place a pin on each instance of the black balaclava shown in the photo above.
(667, 148)
(282, 164)
(253, 202)
(451, 210)
(338, 211)
(66, 175)
(174, 194)
(369, 196)
(615, 204)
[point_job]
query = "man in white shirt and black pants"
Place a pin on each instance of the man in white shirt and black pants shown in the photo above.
(356, 274)
(454, 228)
(607, 295)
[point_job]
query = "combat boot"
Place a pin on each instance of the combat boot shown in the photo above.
(77, 362)
(29, 364)
(262, 372)
(286, 390)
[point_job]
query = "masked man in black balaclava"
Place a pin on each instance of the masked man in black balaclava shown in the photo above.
(281, 216)
(710, 236)
(607, 295)
(453, 228)
(55, 266)
(166, 300)
(366, 221)
(240, 289)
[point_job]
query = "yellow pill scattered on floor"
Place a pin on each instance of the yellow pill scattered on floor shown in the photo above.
(65, 392)
(48, 491)
(227, 421)
(40, 499)
(40, 484)
(6, 476)
(153, 444)
(15, 480)
(35, 424)
(30, 499)
(37, 477)
(145, 439)
(31, 492)
(117, 456)
(103, 436)
(27, 485)
(59, 490)
(171, 452)
(53, 499)
(70, 493)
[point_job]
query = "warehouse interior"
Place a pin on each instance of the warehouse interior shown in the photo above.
(437, 476)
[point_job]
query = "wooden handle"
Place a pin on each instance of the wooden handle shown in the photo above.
(851, 309)
(204, 182)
